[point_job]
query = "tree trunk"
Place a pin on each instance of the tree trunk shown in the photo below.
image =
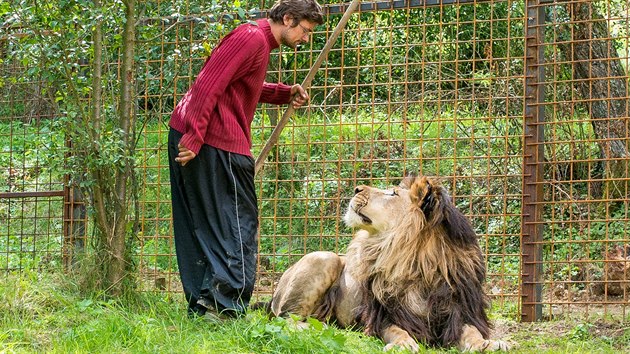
(119, 258)
(603, 86)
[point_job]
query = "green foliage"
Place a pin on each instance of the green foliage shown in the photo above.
(284, 335)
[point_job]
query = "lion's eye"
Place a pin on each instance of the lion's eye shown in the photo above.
(394, 193)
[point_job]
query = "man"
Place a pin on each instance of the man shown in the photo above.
(215, 212)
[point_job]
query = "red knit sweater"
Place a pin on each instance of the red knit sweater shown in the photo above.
(219, 107)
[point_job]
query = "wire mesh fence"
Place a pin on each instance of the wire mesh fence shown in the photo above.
(31, 199)
(520, 107)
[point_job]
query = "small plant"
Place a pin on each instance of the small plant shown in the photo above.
(581, 332)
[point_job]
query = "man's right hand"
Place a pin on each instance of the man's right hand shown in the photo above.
(300, 96)
(184, 155)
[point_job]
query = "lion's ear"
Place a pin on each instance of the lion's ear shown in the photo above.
(417, 189)
(425, 194)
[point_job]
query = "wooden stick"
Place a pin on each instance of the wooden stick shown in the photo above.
(275, 134)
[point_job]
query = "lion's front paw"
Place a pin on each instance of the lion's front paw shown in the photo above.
(407, 343)
(398, 338)
(488, 345)
(473, 341)
(494, 345)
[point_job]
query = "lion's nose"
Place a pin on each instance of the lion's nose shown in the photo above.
(358, 189)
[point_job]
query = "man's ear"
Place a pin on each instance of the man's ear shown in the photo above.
(287, 20)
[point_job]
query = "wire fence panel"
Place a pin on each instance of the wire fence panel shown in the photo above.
(519, 107)
(586, 143)
(31, 191)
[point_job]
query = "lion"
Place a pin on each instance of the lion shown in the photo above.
(413, 273)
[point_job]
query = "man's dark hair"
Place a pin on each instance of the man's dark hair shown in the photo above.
(299, 10)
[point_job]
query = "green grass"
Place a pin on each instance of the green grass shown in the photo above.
(46, 312)
(43, 313)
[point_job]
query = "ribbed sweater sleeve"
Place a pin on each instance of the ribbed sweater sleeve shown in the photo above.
(238, 50)
(275, 93)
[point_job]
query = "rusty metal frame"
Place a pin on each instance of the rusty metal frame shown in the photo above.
(531, 247)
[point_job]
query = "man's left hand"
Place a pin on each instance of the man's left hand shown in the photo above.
(300, 96)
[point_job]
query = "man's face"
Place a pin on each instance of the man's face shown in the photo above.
(294, 36)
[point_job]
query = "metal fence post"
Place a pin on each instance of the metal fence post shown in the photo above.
(533, 157)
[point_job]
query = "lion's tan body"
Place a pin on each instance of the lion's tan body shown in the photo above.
(398, 261)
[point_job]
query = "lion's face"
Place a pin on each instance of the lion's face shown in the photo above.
(376, 210)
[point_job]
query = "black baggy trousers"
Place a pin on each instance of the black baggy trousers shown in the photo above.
(215, 220)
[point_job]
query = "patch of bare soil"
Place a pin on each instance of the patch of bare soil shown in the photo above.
(158, 280)
(541, 334)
